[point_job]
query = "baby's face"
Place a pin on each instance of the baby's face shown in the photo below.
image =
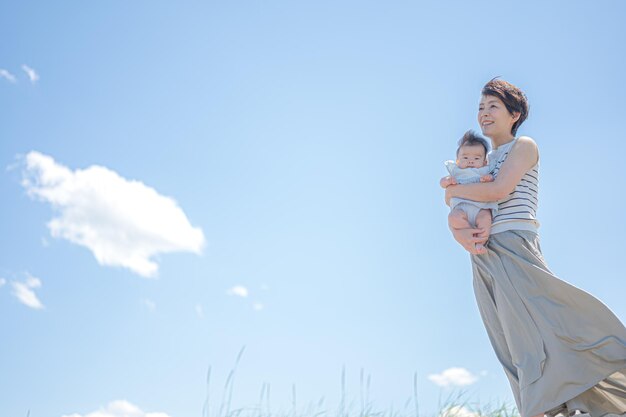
(471, 157)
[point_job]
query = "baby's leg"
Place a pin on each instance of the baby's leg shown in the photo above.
(457, 219)
(483, 221)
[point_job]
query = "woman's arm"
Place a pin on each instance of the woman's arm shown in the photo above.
(523, 157)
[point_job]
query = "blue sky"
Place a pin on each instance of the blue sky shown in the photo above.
(182, 179)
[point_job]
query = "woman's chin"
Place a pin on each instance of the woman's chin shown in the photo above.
(486, 133)
(492, 133)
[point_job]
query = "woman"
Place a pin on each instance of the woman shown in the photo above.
(562, 350)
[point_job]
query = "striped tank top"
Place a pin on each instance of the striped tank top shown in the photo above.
(518, 210)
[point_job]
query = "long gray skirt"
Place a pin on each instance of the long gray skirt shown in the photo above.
(559, 346)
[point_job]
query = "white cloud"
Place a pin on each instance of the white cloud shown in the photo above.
(119, 408)
(123, 222)
(239, 290)
(257, 306)
(453, 376)
(149, 304)
(7, 76)
(24, 292)
(2, 281)
(33, 282)
(199, 311)
(32, 74)
(458, 411)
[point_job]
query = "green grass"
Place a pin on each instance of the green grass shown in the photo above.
(456, 405)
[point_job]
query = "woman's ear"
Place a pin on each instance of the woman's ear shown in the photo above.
(516, 116)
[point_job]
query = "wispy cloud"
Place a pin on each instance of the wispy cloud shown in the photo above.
(257, 306)
(238, 290)
(149, 304)
(32, 74)
(2, 282)
(7, 76)
(458, 411)
(123, 222)
(25, 292)
(453, 376)
(119, 408)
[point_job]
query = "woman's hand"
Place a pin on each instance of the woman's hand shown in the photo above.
(468, 238)
(446, 181)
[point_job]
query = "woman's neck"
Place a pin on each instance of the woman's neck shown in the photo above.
(497, 141)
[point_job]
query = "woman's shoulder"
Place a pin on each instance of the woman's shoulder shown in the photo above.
(526, 141)
(526, 145)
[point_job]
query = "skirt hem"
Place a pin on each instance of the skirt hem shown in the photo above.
(587, 387)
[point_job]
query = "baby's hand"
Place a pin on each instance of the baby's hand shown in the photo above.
(447, 181)
(486, 178)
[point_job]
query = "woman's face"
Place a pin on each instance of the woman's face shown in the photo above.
(494, 119)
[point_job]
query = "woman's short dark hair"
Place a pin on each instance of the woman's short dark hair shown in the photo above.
(471, 138)
(513, 98)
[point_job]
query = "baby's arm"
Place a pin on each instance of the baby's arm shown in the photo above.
(485, 174)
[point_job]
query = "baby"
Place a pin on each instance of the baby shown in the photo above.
(470, 166)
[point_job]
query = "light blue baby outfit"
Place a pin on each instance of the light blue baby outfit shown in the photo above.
(468, 176)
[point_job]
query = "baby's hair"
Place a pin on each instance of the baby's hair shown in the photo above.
(471, 138)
